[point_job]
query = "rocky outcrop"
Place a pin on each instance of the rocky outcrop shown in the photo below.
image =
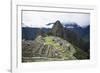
(57, 29)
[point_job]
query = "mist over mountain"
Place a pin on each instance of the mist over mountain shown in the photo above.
(30, 32)
(78, 29)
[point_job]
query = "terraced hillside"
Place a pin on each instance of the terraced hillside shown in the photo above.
(47, 48)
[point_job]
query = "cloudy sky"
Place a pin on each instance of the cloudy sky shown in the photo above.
(40, 19)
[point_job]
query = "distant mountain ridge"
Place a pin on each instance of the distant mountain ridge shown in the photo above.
(78, 29)
(30, 32)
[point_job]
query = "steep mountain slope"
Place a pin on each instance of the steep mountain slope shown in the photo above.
(57, 29)
(73, 33)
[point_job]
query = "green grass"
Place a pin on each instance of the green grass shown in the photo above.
(49, 41)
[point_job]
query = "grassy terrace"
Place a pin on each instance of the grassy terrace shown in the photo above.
(50, 41)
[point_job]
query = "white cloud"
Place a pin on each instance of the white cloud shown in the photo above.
(40, 19)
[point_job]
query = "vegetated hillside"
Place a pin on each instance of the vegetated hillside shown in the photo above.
(77, 35)
(81, 35)
(29, 33)
(57, 43)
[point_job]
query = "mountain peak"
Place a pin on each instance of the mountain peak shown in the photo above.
(57, 22)
(57, 29)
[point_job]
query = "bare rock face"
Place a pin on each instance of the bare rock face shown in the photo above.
(51, 48)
